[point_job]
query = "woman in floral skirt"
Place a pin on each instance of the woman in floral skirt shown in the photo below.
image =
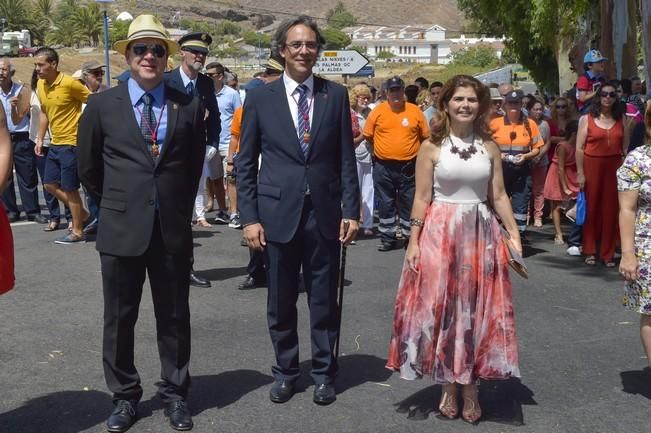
(454, 319)
(634, 185)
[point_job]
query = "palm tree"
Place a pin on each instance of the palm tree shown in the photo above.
(65, 35)
(15, 14)
(44, 8)
(87, 21)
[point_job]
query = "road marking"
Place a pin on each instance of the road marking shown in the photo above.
(23, 223)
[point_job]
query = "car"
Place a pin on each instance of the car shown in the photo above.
(8, 49)
(367, 71)
(26, 51)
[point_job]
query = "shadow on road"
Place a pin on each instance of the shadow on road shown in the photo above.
(59, 412)
(220, 390)
(501, 401)
(220, 274)
(354, 370)
(637, 382)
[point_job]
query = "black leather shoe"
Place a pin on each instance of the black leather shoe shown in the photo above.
(324, 394)
(179, 415)
(197, 281)
(38, 218)
(386, 246)
(281, 392)
(123, 416)
(250, 283)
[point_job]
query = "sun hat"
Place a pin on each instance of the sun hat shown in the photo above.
(146, 26)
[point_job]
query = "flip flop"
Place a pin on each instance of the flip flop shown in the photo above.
(51, 226)
(590, 260)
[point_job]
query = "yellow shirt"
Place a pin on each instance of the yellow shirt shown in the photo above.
(61, 101)
(396, 136)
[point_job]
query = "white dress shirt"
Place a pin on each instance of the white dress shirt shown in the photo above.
(291, 87)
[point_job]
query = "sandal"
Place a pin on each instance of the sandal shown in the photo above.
(448, 409)
(203, 223)
(52, 225)
(610, 264)
(471, 409)
(559, 241)
(590, 260)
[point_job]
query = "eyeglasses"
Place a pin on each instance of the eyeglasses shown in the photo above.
(297, 45)
(212, 74)
(608, 94)
(97, 73)
(363, 97)
(140, 49)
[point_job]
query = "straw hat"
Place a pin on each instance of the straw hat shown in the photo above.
(146, 26)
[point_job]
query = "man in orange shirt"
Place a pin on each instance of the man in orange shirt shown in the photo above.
(395, 129)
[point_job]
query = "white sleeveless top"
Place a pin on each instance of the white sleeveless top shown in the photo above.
(458, 180)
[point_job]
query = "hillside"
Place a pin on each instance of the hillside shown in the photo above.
(372, 12)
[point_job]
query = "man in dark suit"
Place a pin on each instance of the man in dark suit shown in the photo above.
(188, 79)
(141, 148)
(303, 203)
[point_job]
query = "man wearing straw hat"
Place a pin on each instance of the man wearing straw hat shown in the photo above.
(141, 151)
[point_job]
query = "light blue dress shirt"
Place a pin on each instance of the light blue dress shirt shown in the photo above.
(158, 92)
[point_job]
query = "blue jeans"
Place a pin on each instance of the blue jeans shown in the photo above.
(395, 184)
(576, 235)
(517, 182)
(26, 176)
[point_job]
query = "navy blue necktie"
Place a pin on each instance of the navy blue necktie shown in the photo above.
(189, 89)
(303, 119)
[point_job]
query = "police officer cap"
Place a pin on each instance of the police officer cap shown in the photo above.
(197, 41)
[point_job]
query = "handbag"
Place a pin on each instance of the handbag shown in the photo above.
(7, 277)
(516, 262)
(581, 209)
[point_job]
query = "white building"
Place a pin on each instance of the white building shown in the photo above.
(412, 44)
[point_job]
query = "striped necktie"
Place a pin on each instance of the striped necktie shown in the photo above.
(303, 119)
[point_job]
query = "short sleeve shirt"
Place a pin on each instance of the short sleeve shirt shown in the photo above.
(61, 101)
(515, 136)
(236, 126)
(396, 135)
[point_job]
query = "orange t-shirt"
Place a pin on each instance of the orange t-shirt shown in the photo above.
(396, 136)
(515, 136)
(236, 126)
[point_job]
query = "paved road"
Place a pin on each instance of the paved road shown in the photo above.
(581, 360)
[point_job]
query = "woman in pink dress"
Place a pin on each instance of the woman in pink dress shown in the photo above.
(561, 184)
(6, 240)
(454, 319)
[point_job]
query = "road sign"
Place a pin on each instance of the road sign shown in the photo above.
(340, 62)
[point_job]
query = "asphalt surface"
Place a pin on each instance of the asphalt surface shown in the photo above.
(580, 354)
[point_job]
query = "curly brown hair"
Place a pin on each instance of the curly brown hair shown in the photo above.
(440, 123)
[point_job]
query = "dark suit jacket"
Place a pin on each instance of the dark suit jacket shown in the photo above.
(116, 165)
(206, 92)
(275, 197)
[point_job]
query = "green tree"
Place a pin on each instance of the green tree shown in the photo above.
(339, 17)
(385, 55)
(533, 28)
(118, 31)
(63, 35)
(335, 39)
(227, 27)
(88, 23)
(257, 39)
(359, 49)
(477, 55)
(15, 14)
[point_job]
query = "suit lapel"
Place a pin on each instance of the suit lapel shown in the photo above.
(320, 101)
(124, 100)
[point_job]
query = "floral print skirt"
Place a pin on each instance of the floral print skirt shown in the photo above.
(454, 319)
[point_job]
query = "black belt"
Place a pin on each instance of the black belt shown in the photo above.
(19, 135)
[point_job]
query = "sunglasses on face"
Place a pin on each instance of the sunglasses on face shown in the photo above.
(608, 94)
(561, 107)
(212, 74)
(297, 45)
(140, 49)
(98, 73)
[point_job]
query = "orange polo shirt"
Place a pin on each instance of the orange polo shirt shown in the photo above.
(502, 134)
(396, 136)
(236, 126)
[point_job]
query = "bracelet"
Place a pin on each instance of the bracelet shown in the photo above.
(416, 222)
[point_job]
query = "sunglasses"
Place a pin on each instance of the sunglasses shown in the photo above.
(98, 73)
(561, 107)
(608, 94)
(211, 74)
(140, 49)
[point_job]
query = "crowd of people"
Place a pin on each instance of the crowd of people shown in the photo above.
(453, 172)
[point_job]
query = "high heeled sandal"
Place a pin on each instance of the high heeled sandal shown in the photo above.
(448, 408)
(471, 411)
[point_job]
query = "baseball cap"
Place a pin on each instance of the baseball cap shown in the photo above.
(593, 56)
(394, 82)
(514, 96)
(91, 65)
